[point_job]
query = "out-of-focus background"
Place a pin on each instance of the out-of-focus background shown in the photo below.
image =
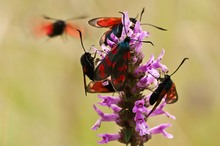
(42, 101)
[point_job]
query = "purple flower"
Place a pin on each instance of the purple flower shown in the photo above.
(159, 110)
(157, 64)
(135, 59)
(161, 129)
(137, 28)
(146, 81)
(114, 40)
(152, 66)
(144, 68)
(139, 106)
(149, 73)
(141, 126)
(103, 117)
(108, 137)
(126, 26)
(115, 108)
(136, 35)
(101, 53)
(108, 100)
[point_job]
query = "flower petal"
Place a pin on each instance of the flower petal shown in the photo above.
(161, 129)
(108, 137)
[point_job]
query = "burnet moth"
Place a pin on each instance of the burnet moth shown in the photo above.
(53, 27)
(88, 67)
(115, 26)
(165, 89)
(115, 64)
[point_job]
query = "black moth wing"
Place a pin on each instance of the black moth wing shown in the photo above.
(120, 70)
(104, 69)
(87, 62)
(158, 93)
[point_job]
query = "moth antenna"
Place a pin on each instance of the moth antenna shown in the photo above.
(142, 12)
(147, 42)
(144, 41)
(124, 22)
(79, 17)
(179, 65)
(80, 35)
(49, 18)
(154, 26)
(73, 18)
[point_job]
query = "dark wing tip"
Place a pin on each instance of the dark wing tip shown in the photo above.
(93, 22)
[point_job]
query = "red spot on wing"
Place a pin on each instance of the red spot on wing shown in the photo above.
(119, 73)
(126, 56)
(114, 50)
(122, 68)
(119, 80)
(108, 61)
(102, 71)
(172, 95)
(113, 64)
(105, 21)
(98, 87)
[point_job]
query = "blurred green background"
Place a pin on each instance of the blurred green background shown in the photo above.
(42, 101)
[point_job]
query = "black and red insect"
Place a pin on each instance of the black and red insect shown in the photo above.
(87, 62)
(165, 89)
(53, 27)
(104, 86)
(115, 26)
(115, 64)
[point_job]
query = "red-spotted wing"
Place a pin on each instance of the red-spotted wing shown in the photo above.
(105, 21)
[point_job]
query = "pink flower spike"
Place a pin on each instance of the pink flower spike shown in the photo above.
(161, 129)
(108, 137)
(122, 65)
